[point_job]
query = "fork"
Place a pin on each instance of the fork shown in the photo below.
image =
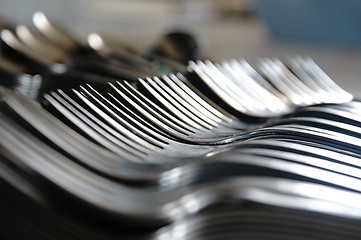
(288, 85)
(277, 132)
(214, 134)
(309, 72)
(105, 188)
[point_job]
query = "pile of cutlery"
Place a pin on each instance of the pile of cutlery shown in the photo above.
(97, 144)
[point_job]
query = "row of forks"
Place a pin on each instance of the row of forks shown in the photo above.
(323, 171)
(219, 151)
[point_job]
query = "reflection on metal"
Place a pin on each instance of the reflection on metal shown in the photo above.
(221, 151)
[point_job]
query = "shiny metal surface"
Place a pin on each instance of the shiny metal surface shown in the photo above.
(220, 151)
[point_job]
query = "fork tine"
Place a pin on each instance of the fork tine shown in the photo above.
(219, 91)
(240, 75)
(254, 104)
(171, 82)
(118, 102)
(283, 84)
(226, 97)
(112, 141)
(258, 94)
(169, 105)
(64, 140)
(320, 90)
(183, 105)
(196, 137)
(202, 99)
(261, 80)
(124, 113)
(220, 81)
(96, 102)
(151, 111)
(169, 151)
(300, 85)
(310, 68)
(220, 126)
(146, 146)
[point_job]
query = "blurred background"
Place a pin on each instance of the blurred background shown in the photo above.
(326, 30)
